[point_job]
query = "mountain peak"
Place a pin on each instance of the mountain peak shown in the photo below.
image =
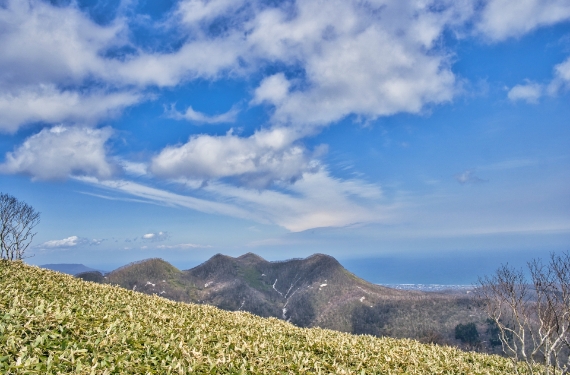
(152, 268)
(320, 256)
(251, 257)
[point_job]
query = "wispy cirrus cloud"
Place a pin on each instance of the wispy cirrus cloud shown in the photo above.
(315, 200)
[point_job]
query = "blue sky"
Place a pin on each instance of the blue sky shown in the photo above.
(423, 130)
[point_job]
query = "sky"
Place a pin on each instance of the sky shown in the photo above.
(424, 134)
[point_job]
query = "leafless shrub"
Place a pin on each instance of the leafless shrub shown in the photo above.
(17, 219)
(533, 317)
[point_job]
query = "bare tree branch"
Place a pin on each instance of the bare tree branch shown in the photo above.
(17, 221)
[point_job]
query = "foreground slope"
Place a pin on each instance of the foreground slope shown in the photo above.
(53, 323)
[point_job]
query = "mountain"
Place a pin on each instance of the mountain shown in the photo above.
(69, 268)
(315, 291)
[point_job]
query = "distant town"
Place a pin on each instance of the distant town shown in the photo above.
(431, 287)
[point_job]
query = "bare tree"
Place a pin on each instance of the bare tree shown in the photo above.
(532, 317)
(551, 312)
(17, 220)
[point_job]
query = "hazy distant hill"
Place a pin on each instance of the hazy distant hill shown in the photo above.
(312, 292)
(69, 268)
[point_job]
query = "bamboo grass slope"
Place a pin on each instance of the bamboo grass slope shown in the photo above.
(51, 323)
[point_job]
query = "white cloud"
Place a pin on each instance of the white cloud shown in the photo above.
(561, 78)
(257, 161)
(46, 103)
(501, 19)
(153, 237)
(65, 243)
(529, 92)
(59, 152)
(273, 89)
(196, 59)
(198, 117)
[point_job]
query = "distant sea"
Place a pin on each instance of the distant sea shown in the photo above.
(457, 268)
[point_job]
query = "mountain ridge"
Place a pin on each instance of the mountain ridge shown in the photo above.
(305, 291)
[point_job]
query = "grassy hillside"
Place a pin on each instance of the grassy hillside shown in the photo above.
(52, 323)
